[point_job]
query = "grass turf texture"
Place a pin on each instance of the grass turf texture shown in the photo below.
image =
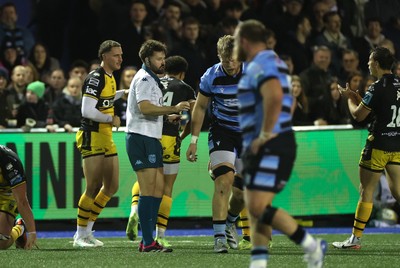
(378, 250)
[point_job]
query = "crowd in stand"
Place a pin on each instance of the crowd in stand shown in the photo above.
(324, 42)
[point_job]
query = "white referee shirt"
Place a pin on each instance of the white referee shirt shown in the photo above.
(144, 87)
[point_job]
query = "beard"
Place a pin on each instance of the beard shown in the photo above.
(154, 69)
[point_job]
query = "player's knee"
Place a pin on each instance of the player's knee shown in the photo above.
(268, 215)
(238, 183)
(222, 170)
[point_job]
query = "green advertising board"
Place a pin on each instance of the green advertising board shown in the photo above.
(324, 180)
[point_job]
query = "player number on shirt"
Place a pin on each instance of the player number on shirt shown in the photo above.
(168, 96)
(395, 117)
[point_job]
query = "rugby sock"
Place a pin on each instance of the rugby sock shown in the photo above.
(135, 198)
(84, 207)
(303, 238)
(244, 223)
(231, 219)
(259, 256)
(219, 230)
(361, 218)
(145, 213)
(100, 202)
(163, 215)
(17, 231)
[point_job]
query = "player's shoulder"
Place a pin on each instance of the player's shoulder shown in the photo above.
(95, 78)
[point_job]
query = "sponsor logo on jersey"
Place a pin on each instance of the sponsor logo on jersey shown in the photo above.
(16, 180)
(9, 166)
(144, 79)
(90, 91)
(94, 82)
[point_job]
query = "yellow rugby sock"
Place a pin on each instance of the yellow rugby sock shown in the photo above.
(361, 218)
(244, 222)
(84, 207)
(163, 213)
(16, 232)
(135, 194)
(99, 203)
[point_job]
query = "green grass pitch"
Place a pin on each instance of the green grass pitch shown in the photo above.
(379, 250)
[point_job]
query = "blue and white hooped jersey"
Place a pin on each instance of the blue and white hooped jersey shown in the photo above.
(222, 89)
(264, 66)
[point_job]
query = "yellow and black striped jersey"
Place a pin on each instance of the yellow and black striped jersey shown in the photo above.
(102, 87)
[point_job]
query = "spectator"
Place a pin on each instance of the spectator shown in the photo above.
(132, 35)
(34, 107)
(56, 85)
(350, 64)
(31, 73)
(94, 64)
(371, 39)
(9, 56)
(17, 90)
(315, 78)
(319, 9)
(168, 27)
(20, 36)
(334, 110)
(300, 110)
(155, 9)
(79, 68)
(333, 38)
(392, 32)
(193, 50)
(67, 108)
(43, 62)
(297, 45)
(5, 111)
(120, 105)
(197, 9)
(289, 62)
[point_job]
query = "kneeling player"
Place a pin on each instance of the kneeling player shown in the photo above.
(13, 200)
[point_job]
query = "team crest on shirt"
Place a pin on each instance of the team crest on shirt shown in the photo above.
(144, 79)
(9, 166)
(152, 158)
(94, 81)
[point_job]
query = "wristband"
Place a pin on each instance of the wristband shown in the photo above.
(194, 139)
(28, 233)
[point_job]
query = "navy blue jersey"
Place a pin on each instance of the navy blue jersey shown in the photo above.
(264, 66)
(222, 89)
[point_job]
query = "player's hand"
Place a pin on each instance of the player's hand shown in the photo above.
(174, 118)
(116, 121)
(182, 106)
(260, 141)
(191, 152)
(31, 241)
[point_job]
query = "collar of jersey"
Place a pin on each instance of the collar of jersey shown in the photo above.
(147, 69)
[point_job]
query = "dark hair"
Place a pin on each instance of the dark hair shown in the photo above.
(329, 14)
(190, 21)
(106, 46)
(175, 65)
(175, 4)
(32, 59)
(79, 63)
(373, 19)
(7, 4)
(384, 57)
(254, 31)
(149, 47)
